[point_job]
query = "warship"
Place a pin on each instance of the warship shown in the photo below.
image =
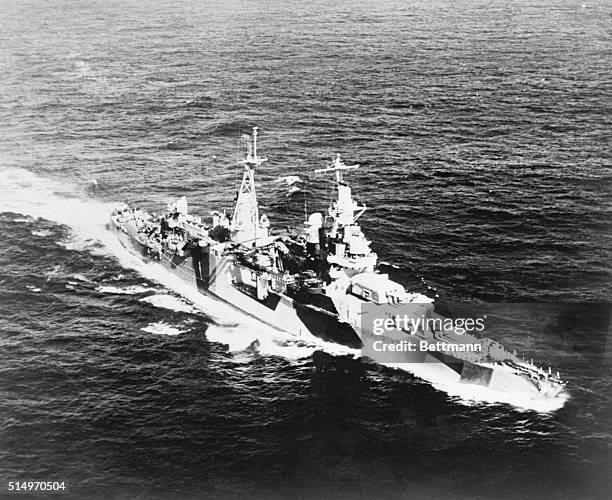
(320, 280)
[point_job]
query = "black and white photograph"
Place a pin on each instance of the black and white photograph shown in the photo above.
(273, 249)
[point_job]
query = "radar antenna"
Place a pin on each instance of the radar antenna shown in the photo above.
(338, 167)
(345, 211)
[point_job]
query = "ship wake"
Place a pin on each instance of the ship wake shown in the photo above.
(31, 195)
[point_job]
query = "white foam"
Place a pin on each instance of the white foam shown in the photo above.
(42, 233)
(30, 195)
(471, 394)
(271, 343)
(289, 180)
(80, 277)
(162, 328)
(385, 263)
(130, 290)
(25, 193)
(169, 302)
(292, 190)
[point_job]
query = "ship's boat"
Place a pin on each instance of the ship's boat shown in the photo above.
(322, 280)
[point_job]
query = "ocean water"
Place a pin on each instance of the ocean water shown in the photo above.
(482, 131)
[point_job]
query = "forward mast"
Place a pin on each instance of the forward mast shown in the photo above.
(246, 226)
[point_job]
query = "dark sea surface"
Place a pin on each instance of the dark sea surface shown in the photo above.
(483, 133)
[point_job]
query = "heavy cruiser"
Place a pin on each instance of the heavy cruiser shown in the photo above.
(321, 280)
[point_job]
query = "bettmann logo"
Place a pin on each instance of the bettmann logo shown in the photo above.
(424, 346)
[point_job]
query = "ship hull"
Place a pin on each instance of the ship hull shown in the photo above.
(443, 366)
(217, 275)
(214, 275)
